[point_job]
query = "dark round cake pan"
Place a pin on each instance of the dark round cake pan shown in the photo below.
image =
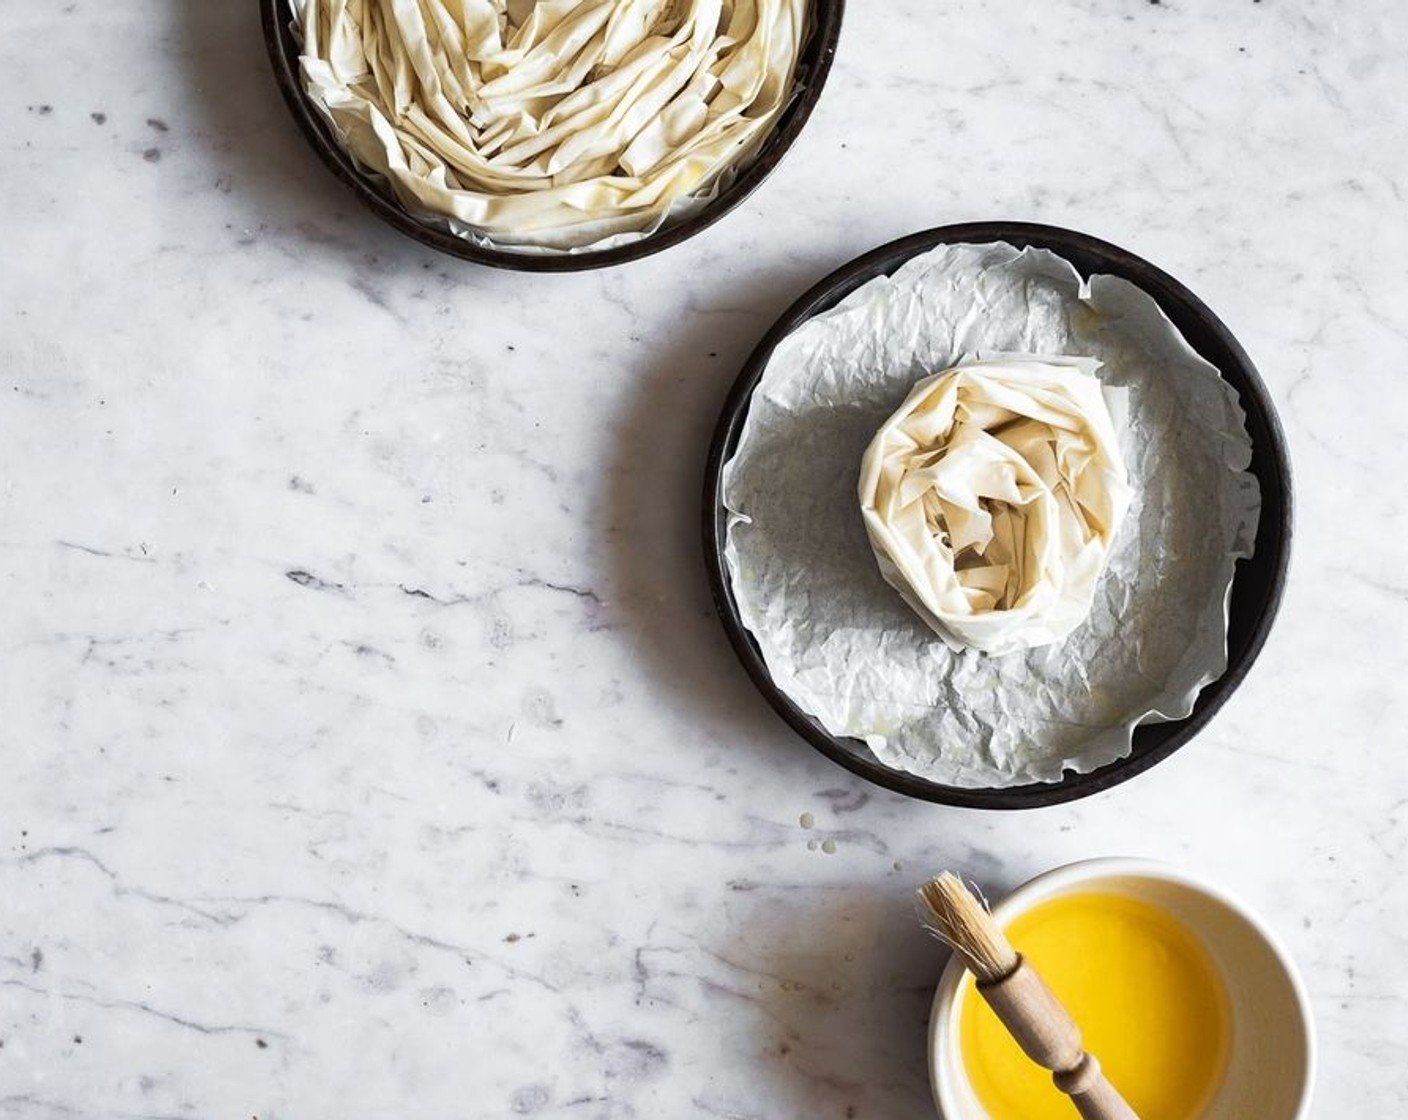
(813, 66)
(1256, 587)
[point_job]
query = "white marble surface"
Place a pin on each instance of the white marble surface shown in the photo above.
(369, 747)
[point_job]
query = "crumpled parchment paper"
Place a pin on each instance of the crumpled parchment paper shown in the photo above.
(551, 125)
(840, 642)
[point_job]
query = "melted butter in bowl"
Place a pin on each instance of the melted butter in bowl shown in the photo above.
(1147, 994)
(1187, 999)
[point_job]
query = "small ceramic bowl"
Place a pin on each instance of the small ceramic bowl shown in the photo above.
(1271, 1067)
(1256, 589)
(813, 66)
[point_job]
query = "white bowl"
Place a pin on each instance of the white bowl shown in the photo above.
(1271, 1067)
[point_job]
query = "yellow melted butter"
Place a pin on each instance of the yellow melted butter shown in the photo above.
(1149, 1000)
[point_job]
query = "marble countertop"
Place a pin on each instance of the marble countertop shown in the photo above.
(370, 748)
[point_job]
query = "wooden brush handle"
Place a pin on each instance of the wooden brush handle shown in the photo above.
(1049, 1036)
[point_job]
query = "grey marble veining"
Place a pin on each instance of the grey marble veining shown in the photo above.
(369, 747)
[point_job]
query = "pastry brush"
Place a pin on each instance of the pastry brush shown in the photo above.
(1029, 1009)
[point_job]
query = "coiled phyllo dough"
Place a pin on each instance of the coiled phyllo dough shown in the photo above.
(556, 123)
(992, 496)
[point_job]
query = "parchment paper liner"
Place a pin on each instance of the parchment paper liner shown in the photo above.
(840, 642)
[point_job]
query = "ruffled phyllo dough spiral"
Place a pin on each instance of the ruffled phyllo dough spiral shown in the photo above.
(992, 496)
(554, 123)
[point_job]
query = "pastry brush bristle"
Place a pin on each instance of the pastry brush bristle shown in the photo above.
(952, 914)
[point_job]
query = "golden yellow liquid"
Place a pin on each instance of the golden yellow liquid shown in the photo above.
(1149, 1000)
